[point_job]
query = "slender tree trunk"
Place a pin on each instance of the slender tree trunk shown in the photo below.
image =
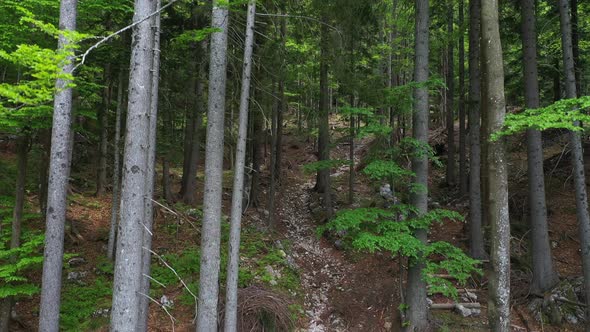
(257, 139)
(116, 170)
(190, 192)
(283, 105)
(166, 186)
(211, 231)
(475, 210)
(136, 171)
(231, 299)
(450, 99)
(189, 125)
(17, 216)
(59, 173)
(556, 81)
(273, 160)
(463, 176)
(144, 301)
(103, 118)
(577, 151)
(576, 45)
(498, 217)
(323, 184)
(544, 275)
(45, 142)
(418, 312)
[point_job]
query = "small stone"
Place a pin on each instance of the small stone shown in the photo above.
(166, 302)
(273, 282)
(460, 309)
(469, 297)
(387, 326)
(76, 276)
(104, 312)
(77, 261)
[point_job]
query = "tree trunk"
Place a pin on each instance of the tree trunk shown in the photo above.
(273, 161)
(144, 301)
(418, 313)
(463, 176)
(45, 142)
(544, 275)
(283, 105)
(190, 192)
(576, 45)
(59, 173)
(17, 216)
(231, 299)
(323, 184)
(116, 170)
(577, 151)
(103, 119)
(497, 173)
(211, 230)
(136, 171)
(475, 211)
(450, 99)
(166, 186)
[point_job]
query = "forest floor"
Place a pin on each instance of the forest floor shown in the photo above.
(330, 289)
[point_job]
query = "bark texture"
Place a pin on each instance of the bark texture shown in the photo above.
(211, 230)
(450, 99)
(59, 173)
(494, 104)
(418, 311)
(544, 275)
(231, 298)
(128, 266)
(475, 211)
(577, 151)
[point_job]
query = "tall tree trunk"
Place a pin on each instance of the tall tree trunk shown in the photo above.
(136, 171)
(495, 107)
(323, 184)
(450, 99)
(17, 216)
(59, 173)
(283, 105)
(211, 231)
(231, 299)
(475, 210)
(45, 142)
(577, 151)
(418, 312)
(103, 119)
(273, 160)
(544, 275)
(144, 301)
(463, 176)
(576, 45)
(116, 170)
(190, 192)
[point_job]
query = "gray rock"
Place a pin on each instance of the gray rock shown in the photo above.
(76, 261)
(469, 297)
(461, 310)
(76, 276)
(103, 312)
(166, 302)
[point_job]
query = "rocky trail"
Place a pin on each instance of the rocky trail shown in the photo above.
(342, 292)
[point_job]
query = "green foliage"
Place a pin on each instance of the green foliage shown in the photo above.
(561, 114)
(16, 262)
(80, 302)
(323, 164)
(385, 170)
(392, 230)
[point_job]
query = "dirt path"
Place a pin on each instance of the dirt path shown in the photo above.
(342, 293)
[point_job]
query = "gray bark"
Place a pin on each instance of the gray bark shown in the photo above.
(211, 230)
(116, 171)
(475, 211)
(144, 301)
(450, 99)
(59, 173)
(418, 313)
(231, 298)
(577, 151)
(544, 275)
(103, 119)
(494, 104)
(134, 193)
(463, 176)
